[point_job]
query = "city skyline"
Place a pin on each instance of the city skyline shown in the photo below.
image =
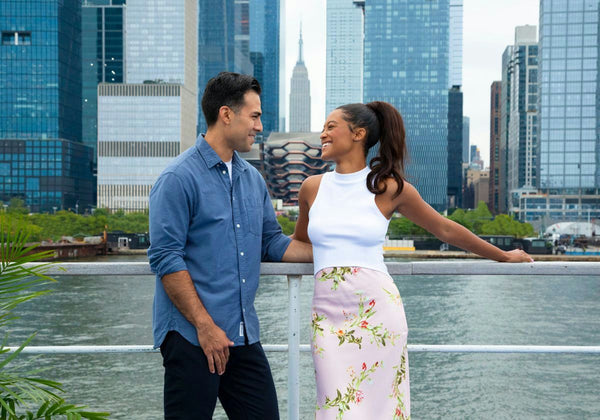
(488, 27)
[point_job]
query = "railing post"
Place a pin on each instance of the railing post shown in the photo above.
(293, 347)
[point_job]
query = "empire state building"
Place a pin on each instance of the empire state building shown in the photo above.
(300, 95)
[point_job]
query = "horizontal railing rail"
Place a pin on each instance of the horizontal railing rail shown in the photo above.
(429, 267)
(294, 273)
(305, 348)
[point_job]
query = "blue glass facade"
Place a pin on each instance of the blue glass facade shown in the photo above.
(569, 96)
(102, 53)
(264, 54)
(47, 174)
(40, 106)
(406, 63)
(241, 36)
(216, 42)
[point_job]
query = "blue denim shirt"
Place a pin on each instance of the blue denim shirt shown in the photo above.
(219, 231)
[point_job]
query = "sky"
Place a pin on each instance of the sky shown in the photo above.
(488, 28)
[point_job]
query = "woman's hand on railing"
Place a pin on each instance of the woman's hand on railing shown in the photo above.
(517, 256)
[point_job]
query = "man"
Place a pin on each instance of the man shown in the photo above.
(211, 223)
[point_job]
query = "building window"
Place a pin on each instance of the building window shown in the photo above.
(16, 38)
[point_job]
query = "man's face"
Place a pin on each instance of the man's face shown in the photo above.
(245, 123)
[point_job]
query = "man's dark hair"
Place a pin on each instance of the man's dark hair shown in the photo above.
(226, 89)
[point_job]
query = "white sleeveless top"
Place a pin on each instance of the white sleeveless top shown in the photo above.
(345, 226)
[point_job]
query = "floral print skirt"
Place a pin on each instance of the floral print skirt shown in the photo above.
(359, 337)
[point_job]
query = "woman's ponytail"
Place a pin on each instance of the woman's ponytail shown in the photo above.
(389, 161)
(384, 125)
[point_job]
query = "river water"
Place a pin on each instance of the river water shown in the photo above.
(440, 310)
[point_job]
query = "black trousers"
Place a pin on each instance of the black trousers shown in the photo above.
(246, 389)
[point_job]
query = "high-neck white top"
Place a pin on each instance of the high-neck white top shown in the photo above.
(345, 226)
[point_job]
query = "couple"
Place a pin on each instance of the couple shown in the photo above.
(212, 222)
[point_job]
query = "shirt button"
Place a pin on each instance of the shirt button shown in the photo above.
(243, 280)
(244, 309)
(237, 226)
(224, 172)
(242, 253)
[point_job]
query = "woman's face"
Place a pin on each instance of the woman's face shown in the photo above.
(337, 139)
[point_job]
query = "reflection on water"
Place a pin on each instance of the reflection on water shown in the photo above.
(440, 310)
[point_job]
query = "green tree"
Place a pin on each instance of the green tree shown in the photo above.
(25, 395)
(287, 226)
(506, 225)
(460, 216)
(402, 226)
(17, 205)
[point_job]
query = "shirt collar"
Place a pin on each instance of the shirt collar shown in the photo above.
(212, 158)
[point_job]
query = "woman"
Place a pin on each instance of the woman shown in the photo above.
(358, 323)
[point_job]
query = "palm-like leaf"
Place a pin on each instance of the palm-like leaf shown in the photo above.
(24, 390)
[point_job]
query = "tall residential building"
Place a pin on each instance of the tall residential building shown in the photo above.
(241, 36)
(455, 147)
(147, 121)
(344, 67)
(569, 163)
(505, 103)
(406, 63)
(42, 158)
(103, 58)
(522, 146)
(495, 189)
(300, 95)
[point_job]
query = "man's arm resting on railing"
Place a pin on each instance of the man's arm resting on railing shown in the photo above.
(298, 251)
(213, 340)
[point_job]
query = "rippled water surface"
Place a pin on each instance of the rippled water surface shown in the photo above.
(440, 310)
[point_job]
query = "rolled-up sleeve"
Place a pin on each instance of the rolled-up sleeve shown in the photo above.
(169, 224)
(274, 242)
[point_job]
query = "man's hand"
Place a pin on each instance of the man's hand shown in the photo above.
(215, 344)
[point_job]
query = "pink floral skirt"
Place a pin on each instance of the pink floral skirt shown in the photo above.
(359, 337)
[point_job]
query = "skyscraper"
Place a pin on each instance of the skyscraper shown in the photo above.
(495, 189)
(505, 101)
(569, 166)
(407, 64)
(456, 43)
(265, 57)
(344, 67)
(455, 146)
(103, 58)
(522, 146)
(42, 158)
(147, 121)
(241, 36)
(300, 95)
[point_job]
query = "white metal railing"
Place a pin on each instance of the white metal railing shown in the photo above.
(294, 273)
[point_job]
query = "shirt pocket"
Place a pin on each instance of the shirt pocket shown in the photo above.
(253, 214)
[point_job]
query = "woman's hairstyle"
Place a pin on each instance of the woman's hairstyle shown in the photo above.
(383, 124)
(226, 89)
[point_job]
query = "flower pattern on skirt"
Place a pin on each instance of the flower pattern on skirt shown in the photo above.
(359, 335)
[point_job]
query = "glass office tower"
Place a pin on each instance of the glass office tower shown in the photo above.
(42, 159)
(265, 57)
(103, 58)
(344, 71)
(569, 167)
(407, 63)
(241, 36)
